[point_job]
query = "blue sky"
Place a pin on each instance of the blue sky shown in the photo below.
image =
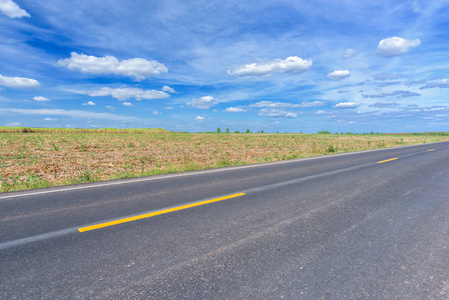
(351, 66)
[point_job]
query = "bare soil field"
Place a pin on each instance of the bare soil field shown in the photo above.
(42, 159)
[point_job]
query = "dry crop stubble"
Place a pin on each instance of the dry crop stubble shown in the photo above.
(41, 159)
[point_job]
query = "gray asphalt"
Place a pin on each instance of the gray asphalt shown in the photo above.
(332, 227)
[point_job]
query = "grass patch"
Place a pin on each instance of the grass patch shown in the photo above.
(36, 158)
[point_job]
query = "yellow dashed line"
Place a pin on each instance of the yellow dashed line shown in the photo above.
(380, 162)
(156, 213)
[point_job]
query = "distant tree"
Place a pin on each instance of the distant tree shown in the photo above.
(218, 130)
(277, 131)
(258, 131)
(262, 131)
(237, 131)
(247, 131)
(227, 130)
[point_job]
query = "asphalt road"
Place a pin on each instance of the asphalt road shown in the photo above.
(366, 225)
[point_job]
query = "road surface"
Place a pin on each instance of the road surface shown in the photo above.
(365, 225)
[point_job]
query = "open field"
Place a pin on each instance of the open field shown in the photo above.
(50, 157)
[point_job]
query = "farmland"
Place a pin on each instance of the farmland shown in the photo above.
(50, 157)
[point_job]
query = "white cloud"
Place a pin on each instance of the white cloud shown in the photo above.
(40, 98)
(270, 104)
(50, 119)
(435, 108)
(138, 68)
(311, 104)
(13, 124)
(127, 104)
(276, 113)
(401, 94)
(77, 114)
(168, 89)
(89, 103)
(156, 112)
(10, 9)
(338, 75)
(285, 104)
(396, 45)
(235, 109)
(205, 102)
(292, 64)
(199, 119)
(344, 105)
(19, 82)
(125, 93)
(443, 83)
(110, 107)
(349, 53)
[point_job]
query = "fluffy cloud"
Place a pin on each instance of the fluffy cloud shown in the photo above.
(155, 112)
(235, 109)
(349, 53)
(205, 102)
(338, 75)
(19, 82)
(444, 83)
(292, 64)
(396, 45)
(10, 9)
(311, 104)
(344, 105)
(50, 119)
(285, 104)
(401, 94)
(385, 104)
(40, 98)
(271, 104)
(13, 124)
(89, 103)
(276, 113)
(125, 93)
(168, 89)
(138, 68)
(199, 119)
(127, 104)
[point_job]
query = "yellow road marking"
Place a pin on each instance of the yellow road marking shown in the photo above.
(431, 150)
(379, 162)
(156, 213)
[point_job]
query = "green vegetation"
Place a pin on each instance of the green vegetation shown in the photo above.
(42, 157)
(4, 129)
